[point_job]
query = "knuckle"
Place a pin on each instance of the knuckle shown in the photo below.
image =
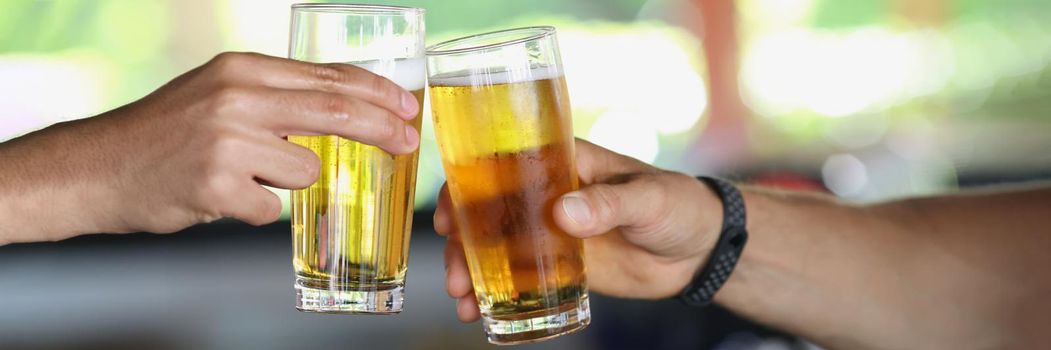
(204, 217)
(226, 63)
(650, 182)
(223, 59)
(311, 168)
(607, 200)
(207, 214)
(228, 100)
(659, 188)
(226, 148)
(212, 193)
(387, 128)
(208, 163)
(336, 107)
(328, 74)
(218, 157)
(385, 89)
(219, 187)
(266, 210)
(270, 210)
(209, 207)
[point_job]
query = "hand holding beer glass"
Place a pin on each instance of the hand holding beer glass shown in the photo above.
(351, 228)
(502, 120)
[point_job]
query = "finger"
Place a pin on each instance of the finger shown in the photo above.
(299, 112)
(443, 214)
(467, 309)
(332, 114)
(251, 203)
(339, 78)
(597, 164)
(599, 208)
(457, 277)
(282, 164)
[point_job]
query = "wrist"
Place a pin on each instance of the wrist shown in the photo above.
(702, 220)
(30, 197)
(50, 195)
(729, 244)
(756, 203)
(712, 214)
(93, 176)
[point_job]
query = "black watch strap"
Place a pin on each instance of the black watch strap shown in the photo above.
(727, 250)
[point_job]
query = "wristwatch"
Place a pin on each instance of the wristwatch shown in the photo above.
(727, 251)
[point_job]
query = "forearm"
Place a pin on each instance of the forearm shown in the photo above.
(938, 272)
(50, 190)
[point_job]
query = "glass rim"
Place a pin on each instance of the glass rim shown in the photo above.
(529, 34)
(362, 8)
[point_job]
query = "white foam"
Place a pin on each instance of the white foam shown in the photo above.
(409, 73)
(483, 77)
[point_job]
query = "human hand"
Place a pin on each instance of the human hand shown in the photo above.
(646, 231)
(200, 147)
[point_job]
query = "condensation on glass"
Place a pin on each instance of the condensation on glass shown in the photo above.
(502, 119)
(350, 229)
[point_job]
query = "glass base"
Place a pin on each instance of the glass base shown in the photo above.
(537, 326)
(373, 301)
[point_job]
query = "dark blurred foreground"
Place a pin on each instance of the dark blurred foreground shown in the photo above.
(229, 286)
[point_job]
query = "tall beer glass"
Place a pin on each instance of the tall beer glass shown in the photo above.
(502, 119)
(350, 229)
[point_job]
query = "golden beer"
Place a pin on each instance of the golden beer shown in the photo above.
(351, 228)
(507, 149)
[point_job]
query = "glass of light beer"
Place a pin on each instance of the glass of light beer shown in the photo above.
(502, 120)
(350, 229)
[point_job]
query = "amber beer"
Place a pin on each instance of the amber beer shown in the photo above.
(507, 149)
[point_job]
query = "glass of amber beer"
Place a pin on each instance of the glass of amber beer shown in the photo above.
(502, 120)
(350, 229)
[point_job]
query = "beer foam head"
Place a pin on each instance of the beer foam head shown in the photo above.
(480, 77)
(409, 73)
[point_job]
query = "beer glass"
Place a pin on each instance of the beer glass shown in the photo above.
(350, 229)
(502, 120)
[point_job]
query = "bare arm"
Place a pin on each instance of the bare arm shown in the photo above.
(966, 270)
(42, 197)
(958, 271)
(197, 149)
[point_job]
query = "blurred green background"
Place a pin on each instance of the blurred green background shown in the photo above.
(821, 89)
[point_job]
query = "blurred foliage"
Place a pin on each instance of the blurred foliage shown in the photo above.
(989, 61)
(54, 23)
(474, 15)
(847, 14)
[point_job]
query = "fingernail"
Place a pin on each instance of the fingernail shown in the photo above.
(411, 137)
(576, 209)
(409, 105)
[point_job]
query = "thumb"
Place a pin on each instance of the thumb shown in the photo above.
(597, 164)
(599, 208)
